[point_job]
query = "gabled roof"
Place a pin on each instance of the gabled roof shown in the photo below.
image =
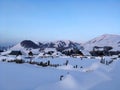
(15, 53)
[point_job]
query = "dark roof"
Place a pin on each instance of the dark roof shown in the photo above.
(1, 50)
(15, 53)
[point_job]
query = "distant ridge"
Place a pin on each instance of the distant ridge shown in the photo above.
(59, 45)
(104, 40)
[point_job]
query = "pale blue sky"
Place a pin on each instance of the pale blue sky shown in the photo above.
(43, 20)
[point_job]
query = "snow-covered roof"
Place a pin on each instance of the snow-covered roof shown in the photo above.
(41, 54)
(69, 49)
(50, 49)
(6, 52)
(85, 52)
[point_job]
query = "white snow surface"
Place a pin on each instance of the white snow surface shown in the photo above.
(85, 52)
(6, 52)
(93, 75)
(104, 40)
(50, 49)
(57, 43)
(18, 47)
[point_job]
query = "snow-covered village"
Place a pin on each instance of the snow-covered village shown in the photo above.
(59, 44)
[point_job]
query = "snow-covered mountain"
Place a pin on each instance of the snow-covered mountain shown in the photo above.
(59, 45)
(62, 45)
(104, 40)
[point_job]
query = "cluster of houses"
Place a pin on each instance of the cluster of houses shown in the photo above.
(46, 53)
(52, 52)
(103, 51)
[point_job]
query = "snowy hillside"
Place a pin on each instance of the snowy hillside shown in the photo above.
(37, 47)
(61, 45)
(23, 49)
(92, 76)
(56, 44)
(26, 44)
(104, 40)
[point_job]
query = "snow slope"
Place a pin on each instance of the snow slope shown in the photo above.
(59, 45)
(104, 40)
(24, 50)
(93, 76)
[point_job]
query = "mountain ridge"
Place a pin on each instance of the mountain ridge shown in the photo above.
(59, 45)
(104, 40)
